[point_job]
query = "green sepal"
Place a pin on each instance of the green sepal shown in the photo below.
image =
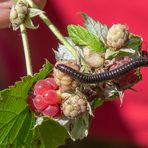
(96, 103)
(134, 42)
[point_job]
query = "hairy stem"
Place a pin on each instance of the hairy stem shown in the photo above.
(26, 50)
(56, 32)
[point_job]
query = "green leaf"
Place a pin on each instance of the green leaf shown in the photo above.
(134, 42)
(96, 28)
(96, 103)
(52, 134)
(83, 37)
(14, 112)
(25, 138)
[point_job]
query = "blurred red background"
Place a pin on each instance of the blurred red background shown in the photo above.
(128, 123)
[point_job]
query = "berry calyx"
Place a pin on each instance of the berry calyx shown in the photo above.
(51, 110)
(41, 86)
(39, 103)
(51, 97)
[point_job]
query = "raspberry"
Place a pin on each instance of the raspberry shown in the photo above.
(128, 80)
(51, 110)
(117, 62)
(117, 36)
(52, 82)
(41, 86)
(30, 103)
(74, 105)
(39, 103)
(51, 97)
(46, 100)
(64, 81)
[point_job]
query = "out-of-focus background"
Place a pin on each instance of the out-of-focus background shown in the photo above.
(113, 126)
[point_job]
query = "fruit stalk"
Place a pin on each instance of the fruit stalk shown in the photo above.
(26, 49)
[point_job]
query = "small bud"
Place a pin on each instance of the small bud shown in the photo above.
(18, 14)
(93, 59)
(117, 36)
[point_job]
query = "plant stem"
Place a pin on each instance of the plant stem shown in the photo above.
(55, 31)
(26, 50)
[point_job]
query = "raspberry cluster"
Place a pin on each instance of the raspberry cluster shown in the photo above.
(57, 96)
(64, 81)
(46, 100)
(65, 94)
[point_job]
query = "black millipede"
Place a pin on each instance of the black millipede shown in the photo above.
(108, 75)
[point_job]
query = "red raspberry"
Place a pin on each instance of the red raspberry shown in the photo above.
(51, 97)
(41, 86)
(52, 82)
(128, 80)
(51, 110)
(39, 103)
(46, 99)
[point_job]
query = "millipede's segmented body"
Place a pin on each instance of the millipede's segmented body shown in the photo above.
(109, 75)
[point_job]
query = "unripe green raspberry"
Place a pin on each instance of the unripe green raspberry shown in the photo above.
(93, 59)
(64, 81)
(74, 105)
(117, 36)
(18, 14)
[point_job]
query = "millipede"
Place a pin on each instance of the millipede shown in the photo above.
(108, 75)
